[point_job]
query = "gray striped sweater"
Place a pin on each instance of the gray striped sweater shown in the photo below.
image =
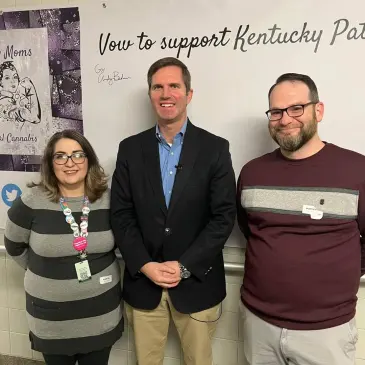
(65, 316)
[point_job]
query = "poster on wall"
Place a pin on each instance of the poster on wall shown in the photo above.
(25, 106)
(40, 90)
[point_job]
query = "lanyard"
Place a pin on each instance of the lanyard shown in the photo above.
(80, 232)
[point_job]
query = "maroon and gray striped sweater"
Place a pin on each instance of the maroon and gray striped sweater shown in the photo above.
(303, 220)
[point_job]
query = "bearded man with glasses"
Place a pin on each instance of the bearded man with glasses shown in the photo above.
(302, 210)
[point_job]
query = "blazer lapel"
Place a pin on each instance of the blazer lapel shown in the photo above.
(188, 156)
(152, 166)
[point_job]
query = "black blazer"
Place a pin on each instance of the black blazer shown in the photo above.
(193, 230)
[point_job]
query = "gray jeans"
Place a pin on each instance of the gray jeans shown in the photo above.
(265, 344)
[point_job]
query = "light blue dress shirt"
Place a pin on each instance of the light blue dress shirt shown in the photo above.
(169, 160)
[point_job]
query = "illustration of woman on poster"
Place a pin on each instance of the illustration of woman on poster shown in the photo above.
(18, 98)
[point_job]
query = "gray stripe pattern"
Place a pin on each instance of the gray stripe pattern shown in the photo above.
(16, 233)
(298, 188)
(57, 291)
(38, 200)
(22, 259)
(83, 327)
(102, 241)
(334, 203)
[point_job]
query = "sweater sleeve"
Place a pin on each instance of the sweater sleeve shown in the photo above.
(241, 213)
(361, 222)
(17, 230)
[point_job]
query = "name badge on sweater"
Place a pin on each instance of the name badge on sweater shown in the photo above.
(312, 211)
(106, 279)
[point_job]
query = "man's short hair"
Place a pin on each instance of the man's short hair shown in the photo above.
(313, 92)
(169, 61)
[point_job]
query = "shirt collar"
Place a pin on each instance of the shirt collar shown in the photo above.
(160, 137)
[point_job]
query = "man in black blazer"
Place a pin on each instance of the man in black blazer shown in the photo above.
(172, 210)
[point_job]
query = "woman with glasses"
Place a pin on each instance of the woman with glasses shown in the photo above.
(60, 233)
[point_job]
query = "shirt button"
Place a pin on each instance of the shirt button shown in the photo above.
(170, 172)
(172, 153)
(170, 192)
(167, 231)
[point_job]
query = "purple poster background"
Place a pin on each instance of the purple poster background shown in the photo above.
(63, 27)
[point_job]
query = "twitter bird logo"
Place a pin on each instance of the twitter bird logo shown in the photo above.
(9, 193)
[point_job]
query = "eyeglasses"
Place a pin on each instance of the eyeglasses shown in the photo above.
(292, 111)
(76, 157)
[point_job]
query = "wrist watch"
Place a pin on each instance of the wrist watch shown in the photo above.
(184, 272)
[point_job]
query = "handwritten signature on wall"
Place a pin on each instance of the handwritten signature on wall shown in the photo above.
(109, 77)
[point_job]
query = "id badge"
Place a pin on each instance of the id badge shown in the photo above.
(83, 271)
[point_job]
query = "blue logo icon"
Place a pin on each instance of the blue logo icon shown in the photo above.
(9, 193)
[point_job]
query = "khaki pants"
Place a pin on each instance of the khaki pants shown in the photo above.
(266, 344)
(151, 327)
